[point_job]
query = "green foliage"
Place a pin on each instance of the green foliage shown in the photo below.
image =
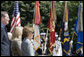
(27, 13)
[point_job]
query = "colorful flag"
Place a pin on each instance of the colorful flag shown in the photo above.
(79, 30)
(76, 25)
(36, 37)
(51, 25)
(37, 14)
(79, 21)
(37, 21)
(65, 33)
(16, 17)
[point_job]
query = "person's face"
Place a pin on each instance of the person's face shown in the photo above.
(31, 35)
(6, 19)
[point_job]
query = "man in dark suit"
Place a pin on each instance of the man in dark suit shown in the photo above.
(5, 43)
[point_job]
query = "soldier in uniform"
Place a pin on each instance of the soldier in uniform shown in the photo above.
(40, 51)
(57, 48)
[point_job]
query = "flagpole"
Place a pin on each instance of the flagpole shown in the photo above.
(46, 42)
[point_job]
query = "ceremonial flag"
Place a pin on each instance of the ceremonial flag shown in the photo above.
(65, 35)
(37, 14)
(51, 25)
(36, 37)
(16, 17)
(79, 21)
(79, 30)
(37, 21)
(76, 25)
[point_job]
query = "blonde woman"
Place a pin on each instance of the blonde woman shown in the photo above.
(27, 45)
(16, 41)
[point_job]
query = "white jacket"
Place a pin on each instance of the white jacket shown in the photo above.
(58, 47)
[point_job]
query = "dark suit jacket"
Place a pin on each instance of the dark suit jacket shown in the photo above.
(5, 43)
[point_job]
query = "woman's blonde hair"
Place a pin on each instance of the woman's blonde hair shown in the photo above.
(17, 32)
(27, 30)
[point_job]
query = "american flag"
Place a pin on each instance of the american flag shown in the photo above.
(16, 17)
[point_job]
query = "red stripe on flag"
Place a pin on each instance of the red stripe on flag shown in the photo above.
(13, 23)
(17, 19)
(18, 23)
(13, 17)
